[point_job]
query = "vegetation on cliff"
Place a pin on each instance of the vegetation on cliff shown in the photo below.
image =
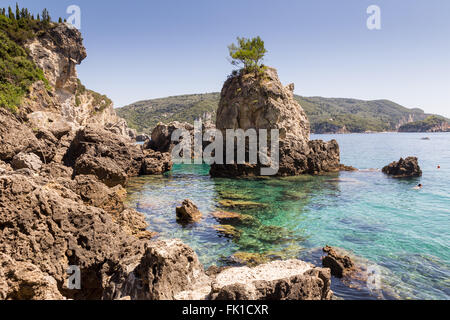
(17, 71)
(430, 124)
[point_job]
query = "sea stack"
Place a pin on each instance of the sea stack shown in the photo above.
(257, 101)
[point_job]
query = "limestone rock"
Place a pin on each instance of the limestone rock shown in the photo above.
(339, 264)
(26, 161)
(188, 212)
(47, 225)
(250, 101)
(15, 137)
(142, 137)
(110, 157)
(24, 281)
(408, 167)
(278, 280)
(167, 269)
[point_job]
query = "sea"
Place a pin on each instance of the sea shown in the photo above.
(398, 235)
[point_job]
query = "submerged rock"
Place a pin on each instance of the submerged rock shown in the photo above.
(408, 167)
(250, 101)
(339, 264)
(188, 212)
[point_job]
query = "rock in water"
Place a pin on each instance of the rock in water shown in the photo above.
(188, 212)
(259, 102)
(339, 264)
(408, 167)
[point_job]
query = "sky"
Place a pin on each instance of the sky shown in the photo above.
(140, 49)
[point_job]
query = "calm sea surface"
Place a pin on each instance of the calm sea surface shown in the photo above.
(400, 234)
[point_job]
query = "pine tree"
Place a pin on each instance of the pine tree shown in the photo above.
(60, 20)
(38, 17)
(45, 16)
(11, 14)
(4, 11)
(17, 12)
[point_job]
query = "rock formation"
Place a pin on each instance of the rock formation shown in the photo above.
(408, 167)
(339, 264)
(111, 157)
(188, 212)
(64, 159)
(250, 101)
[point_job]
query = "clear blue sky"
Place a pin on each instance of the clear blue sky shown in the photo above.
(148, 49)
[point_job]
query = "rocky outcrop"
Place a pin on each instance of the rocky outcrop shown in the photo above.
(408, 167)
(111, 157)
(57, 51)
(161, 138)
(278, 280)
(340, 264)
(166, 269)
(250, 101)
(142, 137)
(188, 212)
(26, 161)
(24, 281)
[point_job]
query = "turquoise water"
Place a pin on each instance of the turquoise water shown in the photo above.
(404, 232)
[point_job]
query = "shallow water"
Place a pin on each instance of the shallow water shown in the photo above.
(401, 232)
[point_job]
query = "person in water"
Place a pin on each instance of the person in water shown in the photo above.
(439, 166)
(419, 186)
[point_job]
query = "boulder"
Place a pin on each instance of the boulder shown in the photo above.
(142, 137)
(188, 212)
(112, 158)
(167, 269)
(24, 281)
(339, 263)
(50, 121)
(278, 280)
(15, 137)
(408, 167)
(250, 101)
(26, 161)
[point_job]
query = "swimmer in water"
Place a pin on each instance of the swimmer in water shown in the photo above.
(439, 167)
(419, 186)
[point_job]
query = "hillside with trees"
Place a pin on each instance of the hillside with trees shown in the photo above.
(327, 115)
(430, 124)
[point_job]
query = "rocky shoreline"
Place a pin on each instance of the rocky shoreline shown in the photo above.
(65, 159)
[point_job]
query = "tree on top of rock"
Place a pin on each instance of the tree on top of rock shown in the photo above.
(249, 53)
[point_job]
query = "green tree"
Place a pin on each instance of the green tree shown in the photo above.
(11, 14)
(4, 12)
(17, 12)
(60, 20)
(45, 16)
(248, 52)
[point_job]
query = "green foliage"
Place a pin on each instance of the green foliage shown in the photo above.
(248, 52)
(145, 115)
(428, 124)
(17, 71)
(325, 114)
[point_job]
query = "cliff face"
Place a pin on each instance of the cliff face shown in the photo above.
(57, 52)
